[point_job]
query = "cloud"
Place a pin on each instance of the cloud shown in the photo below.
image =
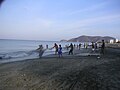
(102, 19)
(89, 8)
(108, 19)
(39, 23)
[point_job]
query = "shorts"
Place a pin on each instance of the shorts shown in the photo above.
(59, 52)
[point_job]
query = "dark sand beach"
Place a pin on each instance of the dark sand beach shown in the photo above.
(74, 72)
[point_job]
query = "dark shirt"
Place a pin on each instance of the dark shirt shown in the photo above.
(103, 45)
(71, 47)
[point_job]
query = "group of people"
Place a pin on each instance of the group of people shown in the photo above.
(95, 46)
(58, 49)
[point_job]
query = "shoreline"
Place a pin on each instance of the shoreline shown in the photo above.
(82, 52)
(67, 73)
(77, 53)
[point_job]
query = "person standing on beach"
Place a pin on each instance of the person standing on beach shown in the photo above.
(93, 47)
(103, 47)
(96, 45)
(74, 46)
(56, 48)
(80, 46)
(46, 46)
(84, 45)
(71, 49)
(60, 51)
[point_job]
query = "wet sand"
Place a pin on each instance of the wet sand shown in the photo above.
(74, 72)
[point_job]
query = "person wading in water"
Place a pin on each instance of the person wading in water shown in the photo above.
(40, 50)
(71, 49)
(56, 48)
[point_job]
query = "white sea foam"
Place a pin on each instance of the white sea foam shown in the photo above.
(14, 50)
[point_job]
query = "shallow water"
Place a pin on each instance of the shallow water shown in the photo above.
(13, 50)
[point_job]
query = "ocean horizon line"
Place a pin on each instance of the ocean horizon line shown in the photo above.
(32, 40)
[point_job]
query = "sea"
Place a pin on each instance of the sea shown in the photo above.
(17, 50)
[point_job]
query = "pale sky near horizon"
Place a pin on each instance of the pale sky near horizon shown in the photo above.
(59, 19)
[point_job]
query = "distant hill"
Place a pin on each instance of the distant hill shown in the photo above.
(63, 40)
(91, 39)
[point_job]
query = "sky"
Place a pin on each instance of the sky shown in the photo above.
(59, 19)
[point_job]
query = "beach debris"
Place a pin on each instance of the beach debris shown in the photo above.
(25, 85)
(98, 57)
(24, 79)
(23, 75)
